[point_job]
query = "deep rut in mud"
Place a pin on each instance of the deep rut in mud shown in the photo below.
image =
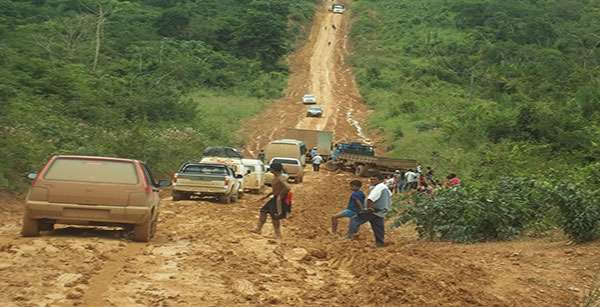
(204, 255)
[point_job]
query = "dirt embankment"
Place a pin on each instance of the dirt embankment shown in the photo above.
(204, 254)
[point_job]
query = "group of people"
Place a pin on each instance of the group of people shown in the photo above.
(416, 180)
(361, 208)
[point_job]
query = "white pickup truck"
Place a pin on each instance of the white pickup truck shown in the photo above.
(206, 179)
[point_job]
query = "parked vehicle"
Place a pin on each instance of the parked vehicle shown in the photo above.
(314, 111)
(291, 167)
(206, 179)
(221, 151)
(353, 148)
(286, 148)
(309, 99)
(235, 164)
(323, 140)
(361, 159)
(96, 191)
(254, 180)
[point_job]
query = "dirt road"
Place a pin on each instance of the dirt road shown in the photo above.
(204, 254)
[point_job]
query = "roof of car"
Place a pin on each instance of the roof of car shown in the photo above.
(251, 162)
(94, 158)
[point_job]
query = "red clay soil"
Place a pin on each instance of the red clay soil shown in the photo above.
(204, 254)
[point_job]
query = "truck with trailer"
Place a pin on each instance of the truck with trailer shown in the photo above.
(361, 159)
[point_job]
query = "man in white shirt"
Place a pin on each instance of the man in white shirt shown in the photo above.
(412, 180)
(379, 202)
(316, 162)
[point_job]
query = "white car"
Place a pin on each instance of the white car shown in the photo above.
(254, 180)
(309, 99)
(338, 8)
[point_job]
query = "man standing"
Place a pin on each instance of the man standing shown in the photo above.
(412, 179)
(313, 152)
(276, 207)
(261, 155)
(379, 202)
(316, 162)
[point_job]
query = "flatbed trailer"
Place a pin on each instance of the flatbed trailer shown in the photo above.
(363, 165)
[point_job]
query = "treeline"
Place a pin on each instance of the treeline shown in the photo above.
(143, 79)
(490, 90)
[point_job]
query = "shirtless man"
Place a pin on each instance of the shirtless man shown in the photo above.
(276, 207)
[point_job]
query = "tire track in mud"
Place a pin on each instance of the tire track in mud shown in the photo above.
(99, 283)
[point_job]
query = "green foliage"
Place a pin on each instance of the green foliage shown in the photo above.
(467, 79)
(474, 213)
(141, 101)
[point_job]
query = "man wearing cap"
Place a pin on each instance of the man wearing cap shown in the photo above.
(276, 207)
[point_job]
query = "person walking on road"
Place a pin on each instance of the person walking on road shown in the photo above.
(313, 152)
(355, 203)
(316, 162)
(277, 207)
(379, 202)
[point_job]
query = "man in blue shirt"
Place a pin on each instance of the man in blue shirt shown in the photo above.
(379, 202)
(356, 201)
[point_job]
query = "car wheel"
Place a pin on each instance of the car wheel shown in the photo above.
(177, 196)
(31, 227)
(46, 226)
(226, 199)
(143, 232)
(331, 166)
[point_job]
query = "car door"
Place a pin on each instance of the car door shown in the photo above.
(155, 196)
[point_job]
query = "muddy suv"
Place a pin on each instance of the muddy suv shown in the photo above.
(95, 191)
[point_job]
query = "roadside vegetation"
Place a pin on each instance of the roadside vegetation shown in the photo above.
(504, 93)
(156, 80)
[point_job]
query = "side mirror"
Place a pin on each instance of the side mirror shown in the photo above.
(32, 175)
(163, 183)
(238, 176)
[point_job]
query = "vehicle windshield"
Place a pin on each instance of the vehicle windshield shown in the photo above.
(250, 168)
(86, 170)
(204, 169)
(285, 161)
(315, 108)
(309, 96)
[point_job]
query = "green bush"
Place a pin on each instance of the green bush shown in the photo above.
(467, 214)
(578, 199)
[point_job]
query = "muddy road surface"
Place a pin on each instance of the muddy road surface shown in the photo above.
(205, 255)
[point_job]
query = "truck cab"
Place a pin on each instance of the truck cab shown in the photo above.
(353, 148)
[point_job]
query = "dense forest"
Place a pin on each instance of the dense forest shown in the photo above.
(505, 93)
(155, 79)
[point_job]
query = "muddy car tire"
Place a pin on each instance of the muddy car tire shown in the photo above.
(144, 232)
(331, 166)
(361, 171)
(226, 199)
(177, 196)
(31, 227)
(46, 226)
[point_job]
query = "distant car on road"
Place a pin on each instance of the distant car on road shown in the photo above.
(309, 99)
(93, 191)
(338, 8)
(314, 111)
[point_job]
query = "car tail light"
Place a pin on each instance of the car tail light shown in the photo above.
(226, 182)
(175, 178)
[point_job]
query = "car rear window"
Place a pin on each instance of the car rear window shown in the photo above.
(84, 170)
(285, 161)
(205, 170)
